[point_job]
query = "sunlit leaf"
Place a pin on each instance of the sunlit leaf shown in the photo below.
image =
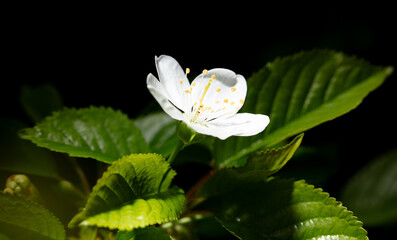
(298, 93)
(133, 193)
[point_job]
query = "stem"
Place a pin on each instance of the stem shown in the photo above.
(81, 175)
(192, 194)
(174, 153)
(170, 159)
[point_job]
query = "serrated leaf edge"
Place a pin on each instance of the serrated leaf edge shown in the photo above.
(30, 203)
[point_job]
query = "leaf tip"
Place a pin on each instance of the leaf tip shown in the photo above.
(389, 70)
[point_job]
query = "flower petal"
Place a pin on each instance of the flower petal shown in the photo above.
(161, 96)
(174, 80)
(242, 124)
(224, 96)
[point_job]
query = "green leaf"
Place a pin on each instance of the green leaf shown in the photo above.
(372, 192)
(284, 209)
(88, 233)
(41, 101)
(96, 132)
(23, 219)
(143, 234)
(158, 129)
(133, 193)
(271, 161)
(298, 93)
(259, 166)
(19, 156)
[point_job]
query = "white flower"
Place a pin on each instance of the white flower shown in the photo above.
(209, 104)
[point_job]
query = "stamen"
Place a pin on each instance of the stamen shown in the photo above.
(202, 98)
(213, 76)
(205, 71)
(226, 100)
(180, 81)
(241, 101)
(218, 90)
(233, 89)
(187, 70)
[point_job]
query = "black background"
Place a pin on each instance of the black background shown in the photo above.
(101, 55)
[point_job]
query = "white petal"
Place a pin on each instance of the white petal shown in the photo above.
(160, 94)
(174, 80)
(224, 96)
(242, 124)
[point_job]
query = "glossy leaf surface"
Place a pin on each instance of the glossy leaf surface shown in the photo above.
(100, 133)
(284, 209)
(298, 93)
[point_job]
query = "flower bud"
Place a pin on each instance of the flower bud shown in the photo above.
(187, 135)
(21, 185)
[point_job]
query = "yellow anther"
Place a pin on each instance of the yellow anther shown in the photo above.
(194, 84)
(187, 70)
(217, 101)
(187, 91)
(218, 90)
(213, 76)
(180, 81)
(233, 89)
(241, 101)
(226, 100)
(205, 71)
(232, 103)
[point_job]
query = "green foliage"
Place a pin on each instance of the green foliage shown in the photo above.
(372, 192)
(23, 219)
(134, 195)
(134, 192)
(259, 166)
(284, 209)
(143, 234)
(41, 101)
(299, 92)
(271, 161)
(100, 133)
(19, 156)
(158, 129)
